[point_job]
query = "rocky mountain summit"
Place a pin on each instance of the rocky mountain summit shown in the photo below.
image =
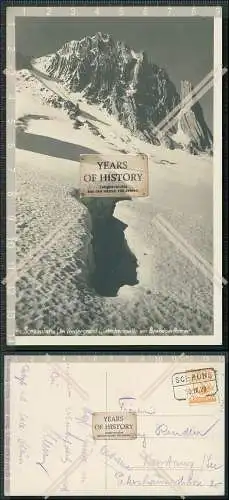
(129, 86)
(193, 124)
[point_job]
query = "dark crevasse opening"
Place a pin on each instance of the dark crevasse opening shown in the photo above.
(115, 265)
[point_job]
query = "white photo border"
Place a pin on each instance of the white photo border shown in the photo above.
(112, 11)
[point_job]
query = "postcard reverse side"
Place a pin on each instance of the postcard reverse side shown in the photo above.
(114, 425)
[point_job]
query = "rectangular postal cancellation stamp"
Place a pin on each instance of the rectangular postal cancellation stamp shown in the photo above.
(195, 386)
(114, 425)
(114, 175)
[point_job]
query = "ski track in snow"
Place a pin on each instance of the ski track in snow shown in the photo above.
(51, 289)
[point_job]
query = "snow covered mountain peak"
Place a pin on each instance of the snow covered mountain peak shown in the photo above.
(105, 37)
(193, 124)
(137, 92)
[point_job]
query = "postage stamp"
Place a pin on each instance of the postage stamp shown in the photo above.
(114, 425)
(195, 386)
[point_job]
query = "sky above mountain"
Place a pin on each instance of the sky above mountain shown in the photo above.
(182, 46)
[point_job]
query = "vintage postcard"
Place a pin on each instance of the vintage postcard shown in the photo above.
(114, 183)
(114, 425)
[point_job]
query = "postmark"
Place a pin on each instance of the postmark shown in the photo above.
(114, 425)
(195, 386)
(114, 175)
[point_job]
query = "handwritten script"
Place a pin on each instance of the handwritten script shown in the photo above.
(179, 449)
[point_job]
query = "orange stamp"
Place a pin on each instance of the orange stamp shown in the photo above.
(195, 386)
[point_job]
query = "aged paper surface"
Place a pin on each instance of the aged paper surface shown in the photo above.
(53, 403)
(141, 263)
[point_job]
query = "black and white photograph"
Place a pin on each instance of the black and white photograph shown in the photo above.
(128, 269)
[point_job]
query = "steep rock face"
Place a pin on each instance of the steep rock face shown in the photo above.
(129, 86)
(137, 92)
(193, 124)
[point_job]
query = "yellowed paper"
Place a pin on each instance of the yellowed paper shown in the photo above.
(53, 404)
